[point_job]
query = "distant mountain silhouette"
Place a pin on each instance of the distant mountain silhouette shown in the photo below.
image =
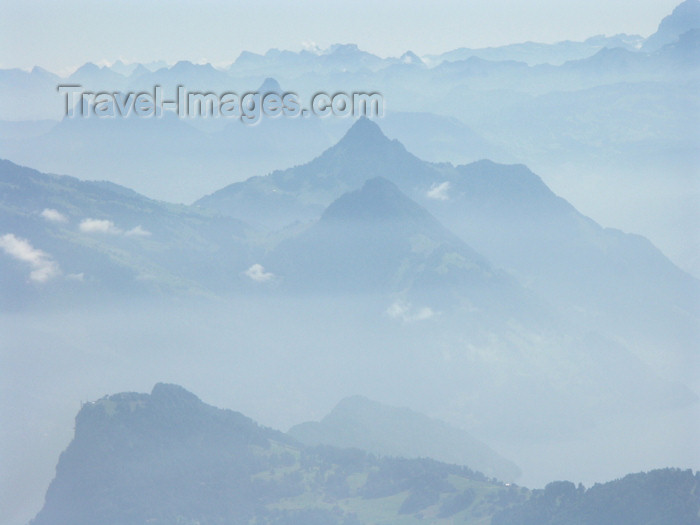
(534, 53)
(362, 423)
(507, 214)
(377, 239)
(270, 85)
(303, 192)
(93, 75)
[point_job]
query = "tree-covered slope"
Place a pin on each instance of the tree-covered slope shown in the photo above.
(166, 458)
(659, 497)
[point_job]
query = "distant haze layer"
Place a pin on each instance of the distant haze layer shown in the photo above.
(61, 36)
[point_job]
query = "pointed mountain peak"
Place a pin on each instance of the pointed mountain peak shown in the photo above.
(87, 67)
(409, 57)
(246, 57)
(182, 64)
(363, 132)
(378, 199)
(124, 69)
(91, 71)
(396, 431)
(36, 70)
(139, 70)
(270, 85)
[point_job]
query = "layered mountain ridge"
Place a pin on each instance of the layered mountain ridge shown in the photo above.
(473, 293)
(166, 457)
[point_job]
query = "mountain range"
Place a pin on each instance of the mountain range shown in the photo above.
(281, 267)
(404, 223)
(365, 216)
(169, 458)
(505, 213)
(472, 293)
(617, 113)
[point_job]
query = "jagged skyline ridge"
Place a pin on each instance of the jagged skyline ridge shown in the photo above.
(229, 29)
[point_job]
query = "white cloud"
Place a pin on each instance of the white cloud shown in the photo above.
(258, 274)
(53, 215)
(439, 191)
(138, 231)
(99, 226)
(76, 277)
(422, 314)
(104, 226)
(404, 311)
(43, 267)
(397, 310)
(311, 46)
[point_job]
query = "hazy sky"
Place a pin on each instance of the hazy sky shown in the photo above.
(62, 35)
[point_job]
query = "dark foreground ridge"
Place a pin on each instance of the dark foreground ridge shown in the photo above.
(168, 458)
(660, 496)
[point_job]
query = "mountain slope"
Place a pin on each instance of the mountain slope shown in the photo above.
(376, 239)
(647, 498)
(361, 423)
(616, 282)
(611, 281)
(96, 237)
(169, 158)
(378, 244)
(303, 192)
(169, 458)
(685, 16)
